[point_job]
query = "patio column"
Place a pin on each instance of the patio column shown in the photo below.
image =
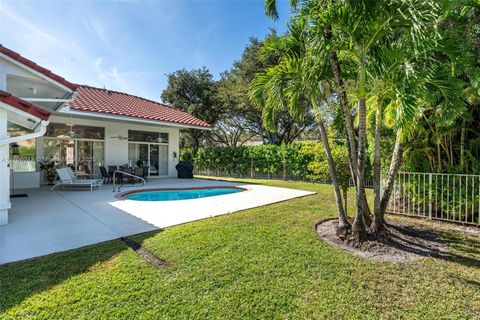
(4, 171)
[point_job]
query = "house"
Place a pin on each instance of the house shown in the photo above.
(43, 117)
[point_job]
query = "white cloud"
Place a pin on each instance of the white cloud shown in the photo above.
(71, 52)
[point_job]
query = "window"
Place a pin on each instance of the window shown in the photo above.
(60, 130)
(25, 160)
(147, 136)
(77, 146)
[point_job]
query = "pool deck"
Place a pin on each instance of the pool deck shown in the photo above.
(53, 221)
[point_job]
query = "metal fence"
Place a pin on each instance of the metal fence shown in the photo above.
(450, 197)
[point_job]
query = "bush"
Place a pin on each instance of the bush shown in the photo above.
(305, 160)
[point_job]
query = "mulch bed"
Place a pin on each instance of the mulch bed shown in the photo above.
(406, 242)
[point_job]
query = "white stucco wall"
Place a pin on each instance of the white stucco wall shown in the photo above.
(4, 171)
(116, 150)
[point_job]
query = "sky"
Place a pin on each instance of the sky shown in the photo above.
(130, 46)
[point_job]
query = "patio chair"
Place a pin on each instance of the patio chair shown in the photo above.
(111, 170)
(127, 178)
(67, 178)
(105, 175)
(139, 172)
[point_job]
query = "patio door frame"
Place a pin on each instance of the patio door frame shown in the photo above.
(149, 164)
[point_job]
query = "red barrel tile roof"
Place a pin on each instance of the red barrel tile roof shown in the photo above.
(23, 105)
(29, 63)
(91, 99)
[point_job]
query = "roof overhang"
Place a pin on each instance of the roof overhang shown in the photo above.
(22, 112)
(35, 69)
(104, 116)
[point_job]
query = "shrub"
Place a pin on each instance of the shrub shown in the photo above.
(305, 160)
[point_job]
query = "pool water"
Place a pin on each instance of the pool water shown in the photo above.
(169, 195)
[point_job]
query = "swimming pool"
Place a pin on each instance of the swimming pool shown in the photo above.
(179, 194)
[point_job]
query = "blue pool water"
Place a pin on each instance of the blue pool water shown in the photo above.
(168, 195)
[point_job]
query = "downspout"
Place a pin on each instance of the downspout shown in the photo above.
(38, 132)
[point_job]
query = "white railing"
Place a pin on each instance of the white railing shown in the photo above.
(121, 174)
(23, 165)
(450, 197)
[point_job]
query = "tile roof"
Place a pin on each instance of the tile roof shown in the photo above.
(29, 63)
(91, 99)
(23, 105)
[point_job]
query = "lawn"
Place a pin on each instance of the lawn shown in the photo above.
(264, 263)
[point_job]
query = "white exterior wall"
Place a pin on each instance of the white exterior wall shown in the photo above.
(4, 156)
(116, 150)
(4, 171)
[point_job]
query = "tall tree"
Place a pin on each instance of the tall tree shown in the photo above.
(195, 92)
(242, 117)
(287, 85)
(351, 36)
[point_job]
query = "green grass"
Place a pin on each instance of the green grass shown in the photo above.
(264, 263)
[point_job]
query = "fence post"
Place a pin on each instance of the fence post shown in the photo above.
(284, 169)
(430, 196)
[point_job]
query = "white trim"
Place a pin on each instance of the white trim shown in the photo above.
(37, 133)
(72, 95)
(47, 100)
(67, 110)
(20, 112)
(35, 72)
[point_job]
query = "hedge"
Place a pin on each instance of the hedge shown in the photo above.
(305, 160)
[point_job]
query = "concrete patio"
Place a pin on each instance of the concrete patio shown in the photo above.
(53, 221)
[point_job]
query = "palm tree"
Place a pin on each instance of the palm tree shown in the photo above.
(283, 86)
(354, 34)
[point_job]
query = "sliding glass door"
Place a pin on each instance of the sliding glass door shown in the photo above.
(152, 155)
(89, 157)
(79, 147)
(149, 149)
(137, 155)
(163, 160)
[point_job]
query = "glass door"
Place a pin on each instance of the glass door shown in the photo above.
(163, 163)
(152, 156)
(60, 150)
(153, 170)
(137, 155)
(89, 158)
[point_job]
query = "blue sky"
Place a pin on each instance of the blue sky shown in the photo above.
(130, 45)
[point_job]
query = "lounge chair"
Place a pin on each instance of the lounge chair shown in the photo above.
(67, 178)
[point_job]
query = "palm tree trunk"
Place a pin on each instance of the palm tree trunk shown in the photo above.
(342, 95)
(392, 174)
(377, 216)
(347, 117)
(343, 225)
(358, 227)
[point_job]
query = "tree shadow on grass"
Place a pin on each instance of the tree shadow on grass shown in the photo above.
(448, 246)
(20, 280)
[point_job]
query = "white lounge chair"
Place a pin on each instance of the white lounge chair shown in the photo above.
(67, 178)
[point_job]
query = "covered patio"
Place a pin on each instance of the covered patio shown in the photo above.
(47, 221)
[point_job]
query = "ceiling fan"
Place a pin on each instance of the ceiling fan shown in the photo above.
(119, 137)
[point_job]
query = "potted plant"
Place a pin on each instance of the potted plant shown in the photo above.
(48, 167)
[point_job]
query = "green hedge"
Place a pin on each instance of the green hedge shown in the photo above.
(304, 160)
